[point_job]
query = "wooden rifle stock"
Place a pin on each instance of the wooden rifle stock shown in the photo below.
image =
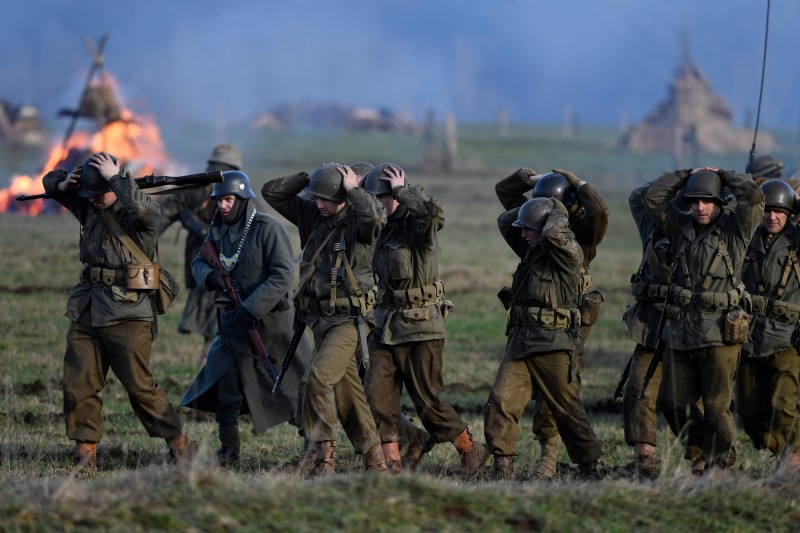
(299, 329)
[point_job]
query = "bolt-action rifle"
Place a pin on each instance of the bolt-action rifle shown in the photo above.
(191, 181)
(299, 329)
(211, 255)
(658, 354)
(623, 379)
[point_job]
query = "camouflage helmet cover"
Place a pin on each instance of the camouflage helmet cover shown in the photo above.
(234, 183)
(555, 185)
(778, 196)
(373, 183)
(92, 183)
(533, 213)
(326, 182)
(226, 154)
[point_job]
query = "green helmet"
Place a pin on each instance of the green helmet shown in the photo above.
(778, 196)
(533, 213)
(235, 183)
(92, 183)
(764, 166)
(704, 185)
(326, 182)
(361, 168)
(373, 183)
(555, 185)
(226, 154)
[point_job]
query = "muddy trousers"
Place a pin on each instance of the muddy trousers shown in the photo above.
(707, 374)
(125, 349)
(767, 393)
(639, 416)
(333, 391)
(418, 366)
(516, 380)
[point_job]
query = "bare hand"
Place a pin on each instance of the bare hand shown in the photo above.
(72, 182)
(107, 167)
(349, 178)
(395, 176)
(700, 169)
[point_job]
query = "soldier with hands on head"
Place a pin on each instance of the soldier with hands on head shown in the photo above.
(543, 337)
(408, 339)
(194, 211)
(768, 377)
(111, 326)
(705, 324)
(256, 256)
(339, 223)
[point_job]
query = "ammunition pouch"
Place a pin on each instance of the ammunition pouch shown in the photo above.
(104, 276)
(143, 277)
(346, 306)
(544, 317)
(416, 297)
(706, 300)
(649, 292)
(591, 302)
(737, 326)
(586, 281)
(784, 312)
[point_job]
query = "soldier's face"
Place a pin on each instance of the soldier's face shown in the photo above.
(328, 208)
(388, 202)
(103, 201)
(225, 205)
(774, 221)
(704, 211)
(531, 236)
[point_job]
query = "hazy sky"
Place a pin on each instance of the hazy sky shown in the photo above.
(211, 60)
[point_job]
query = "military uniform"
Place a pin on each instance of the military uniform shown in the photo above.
(111, 326)
(542, 341)
(704, 287)
(329, 306)
(767, 387)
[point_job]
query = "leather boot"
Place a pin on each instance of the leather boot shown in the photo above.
(228, 454)
(645, 461)
(391, 451)
(792, 461)
(414, 443)
(85, 456)
(590, 471)
(374, 460)
(181, 448)
(473, 454)
(325, 464)
(306, 462)
(698, 466)
(503, 468)
(545, 467)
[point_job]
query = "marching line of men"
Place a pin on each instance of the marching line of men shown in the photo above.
(714, 256)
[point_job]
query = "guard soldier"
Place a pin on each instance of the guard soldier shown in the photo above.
(110, 324)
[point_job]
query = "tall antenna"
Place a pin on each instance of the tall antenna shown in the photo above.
(761, 90)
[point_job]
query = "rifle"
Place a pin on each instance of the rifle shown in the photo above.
(623, 379)
(211, 255)
(299, 329)
(191, 181)
(658, 354)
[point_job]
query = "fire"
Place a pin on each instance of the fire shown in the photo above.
(21, 184)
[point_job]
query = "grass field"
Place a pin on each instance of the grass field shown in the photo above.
(135, 489)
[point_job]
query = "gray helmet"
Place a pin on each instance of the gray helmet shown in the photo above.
(226, 154)
(92, 183)
(373, 183)
(326, 182)
(555, 185)
(234, 182)
(533, 213)
(778, 196)
(361, 168)
(764, 166)
(704, 185)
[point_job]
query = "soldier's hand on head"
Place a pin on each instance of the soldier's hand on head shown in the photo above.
(700, 169)
(571, 178)
(72, 182)
(242, 318)
(106, 166)
(350, 179)
(216, 281)
(395, 176)
(528, 174)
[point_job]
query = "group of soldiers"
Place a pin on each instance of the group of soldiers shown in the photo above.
(370, 293)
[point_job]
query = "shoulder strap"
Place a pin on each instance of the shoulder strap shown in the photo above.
(303, 282)
(119, 233)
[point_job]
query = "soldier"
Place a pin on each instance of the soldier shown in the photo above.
(194, 211)
(588, 220)
(705, 326)
(765, 166)
(767, 386)
(408, 339)
(543, 336)
(256, 255)
(338, 227)
(110, 325)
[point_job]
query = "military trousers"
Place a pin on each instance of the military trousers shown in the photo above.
(549, 374)
(418, 367)
(767, 393)
(333, 390)
(639, 416)
(703, 374)
(125, 348)
(229, 397)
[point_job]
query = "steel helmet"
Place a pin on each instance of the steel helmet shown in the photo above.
(533, 213)
(234, 182)
(764, 166)
(373, 183)
(703, 185)
(326, 182)
(778, 196)
(361, 168)
(92, 183)
(555, 185)
(226, 154)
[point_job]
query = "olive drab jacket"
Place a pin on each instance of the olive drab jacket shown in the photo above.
(356, 228)
(406, 265)
(772, 277)
(588, 223)
(703, 289)
(263, 275)
(103, 255)
(546, 287)
(649, 283)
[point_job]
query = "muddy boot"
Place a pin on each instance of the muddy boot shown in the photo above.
(305, 464)
(645, 461)
(791, 462)
(391, 451)
(181, 448)
(85, 456)
(698, 466)
(325, 463)
(545, 467)
(374, 460)
(414, 443)
(503, 468)
(590, 471)
(228, 454)
(473, 454)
